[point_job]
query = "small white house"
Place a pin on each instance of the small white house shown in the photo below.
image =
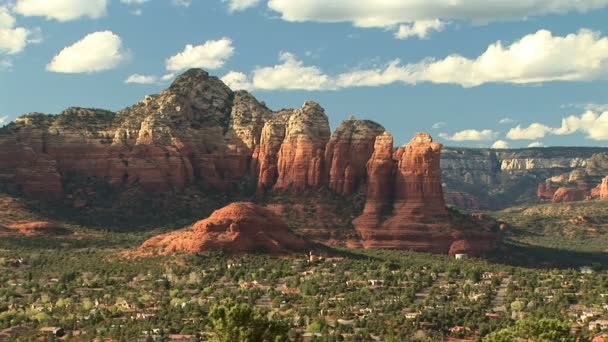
(461, 256)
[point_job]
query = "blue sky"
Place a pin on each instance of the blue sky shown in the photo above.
(546, 80)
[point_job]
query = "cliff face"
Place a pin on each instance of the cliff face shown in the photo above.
(414, 215)
(603, 189)
(300, 160)
(347, 153)
(198, 136)
(493, 179)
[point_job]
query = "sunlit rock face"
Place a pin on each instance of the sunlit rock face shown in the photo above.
(237, 228)
(405, 208)
(347, 154)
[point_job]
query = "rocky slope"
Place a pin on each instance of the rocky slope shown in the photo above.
(199, 143)
(237, 228)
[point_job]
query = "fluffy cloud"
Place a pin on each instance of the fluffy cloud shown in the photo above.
(241, 5)
(62, 10)
(14, 39)
(536, 144)
(167, 77)
(593, 124)
(149, 79)
(3, 119)
(532, 132)
(237, 81)
(596, 107)
(210, 55)
(471, 135)
(292, 74)
(6, 18)
(142, 79)
(535, 58)
(500, 144)
(98, 51)
(420, 29)
(388, 13)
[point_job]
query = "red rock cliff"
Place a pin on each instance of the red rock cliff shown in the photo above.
(348, 152)
(301, 156)
(604, 189)
(380, 187)
(419, 219)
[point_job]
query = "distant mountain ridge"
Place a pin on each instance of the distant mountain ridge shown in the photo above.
(496, 179)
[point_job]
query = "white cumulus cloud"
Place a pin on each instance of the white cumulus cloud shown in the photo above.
(7, 20)
(593, 124)
(241, 5)
(62, 10)
(500, 144)
(390, 13)
(210, 55)
(471, 135)
(237, 81)
(532, 132)
(142, 79)
(291, 74)
(536, 144)
(13, 39)
(535, 58)
(98, 51)
(3, 119)
(421, 29)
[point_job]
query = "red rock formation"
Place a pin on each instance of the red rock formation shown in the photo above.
(380, 187)
(546, 190)
(419, 219)
(300, 161)
(419, 193)
(348, 152)
(604, 189)
(34, 173)
(237, 228)
(564, 194)
(272, 136)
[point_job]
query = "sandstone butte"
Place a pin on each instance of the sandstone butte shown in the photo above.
(240, 227)
(405, 208)
(198, 131)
